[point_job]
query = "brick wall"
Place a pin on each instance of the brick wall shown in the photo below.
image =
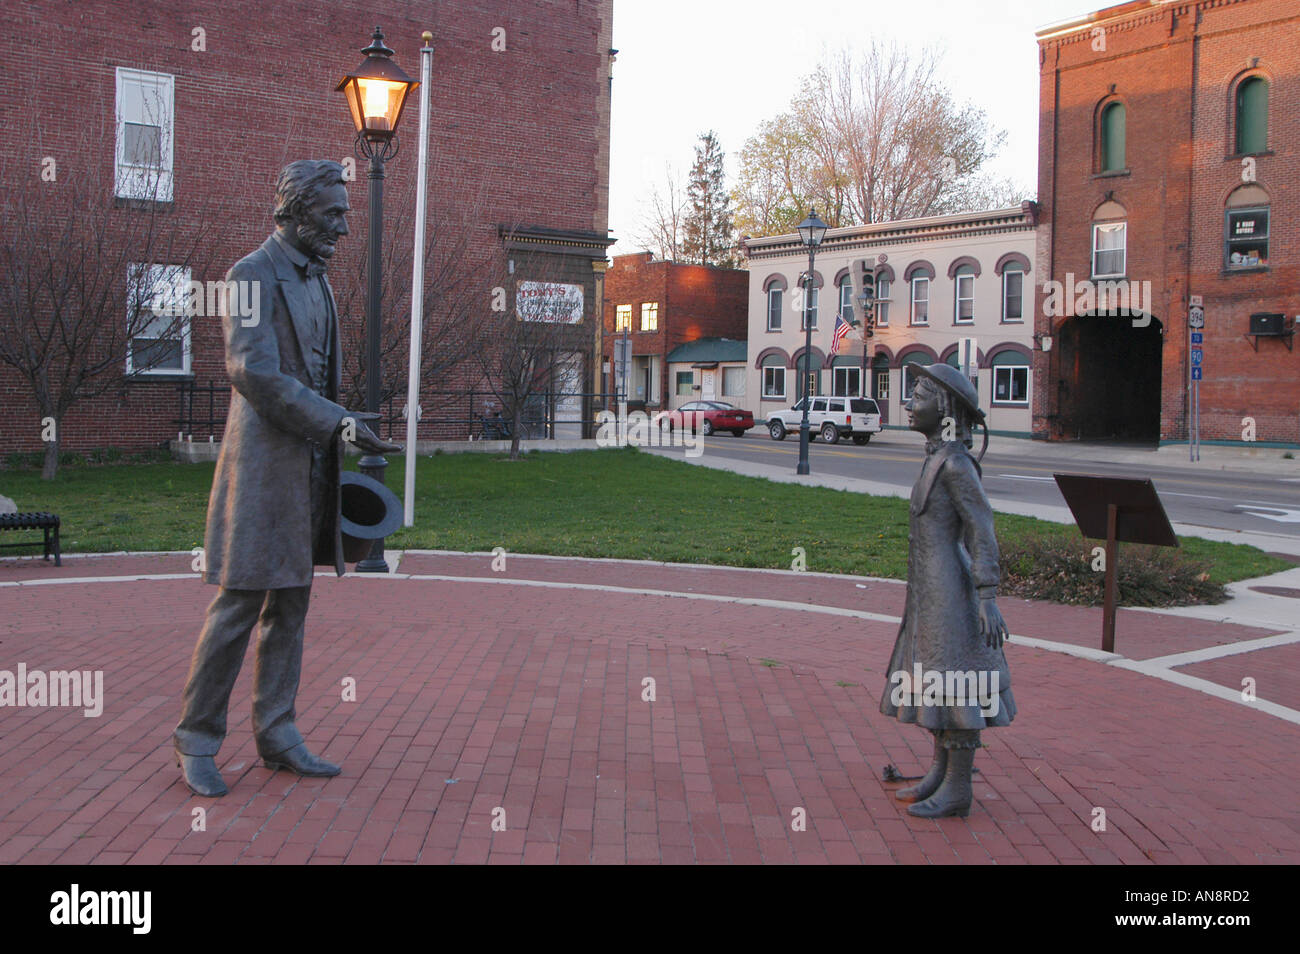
(1174, 67)
(695, 301)
(518, 137)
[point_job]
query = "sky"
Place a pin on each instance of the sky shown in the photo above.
(686, 66)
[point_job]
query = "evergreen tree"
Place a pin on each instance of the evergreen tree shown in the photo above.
(708, 237)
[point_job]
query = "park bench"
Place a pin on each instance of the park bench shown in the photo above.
(34, 521)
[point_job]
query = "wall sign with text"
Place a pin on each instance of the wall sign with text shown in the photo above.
(549, 301)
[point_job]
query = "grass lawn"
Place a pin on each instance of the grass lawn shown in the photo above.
(604, 503)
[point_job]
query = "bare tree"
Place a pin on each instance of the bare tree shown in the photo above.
(870, 137)
(93, 288)
(663, 224)
(533, 349)
(458, 263)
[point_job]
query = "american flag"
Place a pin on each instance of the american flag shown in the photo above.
(837, 336)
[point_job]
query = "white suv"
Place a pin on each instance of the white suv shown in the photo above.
(831, 417)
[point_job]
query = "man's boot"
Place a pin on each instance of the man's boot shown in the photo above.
(299, 759)
(930, 783)
(953, 797)
(201, 775)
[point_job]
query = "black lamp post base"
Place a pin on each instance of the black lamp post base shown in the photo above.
(374, 465)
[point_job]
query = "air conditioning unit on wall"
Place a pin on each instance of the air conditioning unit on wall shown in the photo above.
(1265, 323)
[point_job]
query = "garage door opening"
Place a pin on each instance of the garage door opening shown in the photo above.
(1108, 379)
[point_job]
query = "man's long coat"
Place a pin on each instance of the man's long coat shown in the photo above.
(259, 513)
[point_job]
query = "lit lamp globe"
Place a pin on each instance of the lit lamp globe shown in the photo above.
(376, 91)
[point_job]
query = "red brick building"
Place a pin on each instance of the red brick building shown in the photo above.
(1169, 167)
(666, 304)
(519, 141)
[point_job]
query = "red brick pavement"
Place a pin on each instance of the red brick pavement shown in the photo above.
(522, 704)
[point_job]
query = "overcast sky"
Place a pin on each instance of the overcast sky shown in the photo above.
(685, 66)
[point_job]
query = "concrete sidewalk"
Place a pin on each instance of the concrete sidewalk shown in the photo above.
(1243, 457)
(507, 717)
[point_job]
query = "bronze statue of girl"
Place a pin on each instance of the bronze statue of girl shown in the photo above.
(948, 672)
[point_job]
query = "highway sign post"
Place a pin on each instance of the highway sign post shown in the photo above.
(1195, 366)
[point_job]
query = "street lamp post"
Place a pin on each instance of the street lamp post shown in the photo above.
(376, 91)
(866, 303)
(811, 232)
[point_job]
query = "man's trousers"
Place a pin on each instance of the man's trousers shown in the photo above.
(217, 660)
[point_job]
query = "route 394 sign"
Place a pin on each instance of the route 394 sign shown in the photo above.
(1196, 317)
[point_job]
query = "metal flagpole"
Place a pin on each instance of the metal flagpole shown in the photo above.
(417, 280)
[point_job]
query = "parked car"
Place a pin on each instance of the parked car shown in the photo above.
(710, 416)
(831, 417)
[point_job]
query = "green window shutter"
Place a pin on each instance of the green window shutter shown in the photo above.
(1252, 115)
(1112, 138)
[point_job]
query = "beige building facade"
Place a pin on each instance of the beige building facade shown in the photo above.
(954, 288)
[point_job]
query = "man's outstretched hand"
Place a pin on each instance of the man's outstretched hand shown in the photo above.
(353, 429)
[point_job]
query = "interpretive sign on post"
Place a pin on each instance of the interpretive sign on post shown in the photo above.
(1115, 509)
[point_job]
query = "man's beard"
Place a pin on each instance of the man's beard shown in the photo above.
(319, 241)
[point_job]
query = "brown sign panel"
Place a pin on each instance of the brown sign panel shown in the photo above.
(1140, 519)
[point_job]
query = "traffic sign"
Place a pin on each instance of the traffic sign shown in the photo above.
(1196, 337)
(1197, 354)
(1196, 317)
(1196, 373)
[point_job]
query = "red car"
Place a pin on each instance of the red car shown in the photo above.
(710, 416)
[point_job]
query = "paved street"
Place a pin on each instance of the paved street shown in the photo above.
(520, 698)
(1018, 475)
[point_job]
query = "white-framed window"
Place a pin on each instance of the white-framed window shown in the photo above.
(622, 318)
(773, 381)
(1109, 249)
(920, 300)
(774, 308)
(1011, 385)
(809, 313)
(650, 316)
(846, 382)
(846, 298)
(145, 117)
(685, 383)
(964, 298)
(1013, 295)
(733, 382)
(158, 325)
(882, 303)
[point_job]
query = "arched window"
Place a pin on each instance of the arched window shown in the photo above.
(1112, 138)
(920, 300)
(964, 295)
(775, 289)
(845, 288)
(1252, 115)
(808, 312)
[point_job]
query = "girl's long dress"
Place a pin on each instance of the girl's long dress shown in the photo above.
(952, 553)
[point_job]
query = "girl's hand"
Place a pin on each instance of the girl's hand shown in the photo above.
(992, 626)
